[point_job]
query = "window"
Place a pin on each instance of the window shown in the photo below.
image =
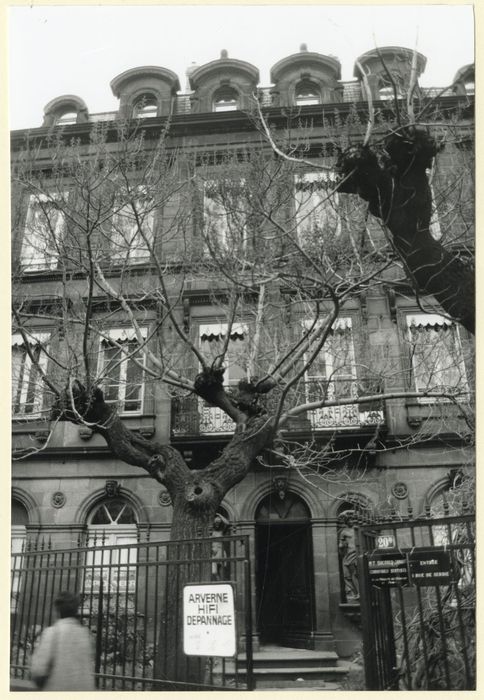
(20, 520)
(307, 93)
(316, 209)
(133, 230)
(225, 100)
(436, 354)
(332, 376)
(212, 338)
(112, 523)
(121, 367)
(145, 106)
(44, 231)
(67, 118)
(334, 369)
(224, 214)
(27, 385)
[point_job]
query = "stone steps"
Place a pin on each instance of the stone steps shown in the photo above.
(285, 668)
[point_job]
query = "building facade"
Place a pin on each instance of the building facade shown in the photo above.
(396, 455)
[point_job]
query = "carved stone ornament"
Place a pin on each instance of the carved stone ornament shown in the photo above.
(58, 499)
(164, 498)
(400, 490)
(280, 486)
(112, 488)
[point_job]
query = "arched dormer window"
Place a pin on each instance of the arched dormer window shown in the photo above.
(65, 110)
(225, 100)
(387, 90)
(307, 93)
(145, 106)
(67, 118)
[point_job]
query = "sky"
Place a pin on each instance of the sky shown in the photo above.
(56, 50)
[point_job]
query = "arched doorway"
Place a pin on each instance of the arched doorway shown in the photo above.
(284, 571)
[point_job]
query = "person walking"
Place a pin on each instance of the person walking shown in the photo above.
(63, 658)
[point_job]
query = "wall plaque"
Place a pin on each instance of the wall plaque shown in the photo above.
(388, 568)
(431, 566)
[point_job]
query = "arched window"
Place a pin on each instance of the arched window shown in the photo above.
(225, 100)
(20, 519)
(145, 106)
(67, 118)
(470, 87)
(307, 93)
(111, 523)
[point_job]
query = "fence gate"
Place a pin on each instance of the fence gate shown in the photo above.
(417, 596)
(129, 594)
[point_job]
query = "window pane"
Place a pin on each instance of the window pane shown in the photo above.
(437, 358)
(316, 208)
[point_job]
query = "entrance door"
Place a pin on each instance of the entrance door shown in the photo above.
(284, 574)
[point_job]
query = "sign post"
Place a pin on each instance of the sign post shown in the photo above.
(209, 620)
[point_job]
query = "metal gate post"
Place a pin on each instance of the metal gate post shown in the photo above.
(97, 664)
(248, 622)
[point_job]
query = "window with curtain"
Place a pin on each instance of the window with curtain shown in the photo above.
(436, 355)
(43, 233)
(212, 337)
(333, 376)
(27, 385)
(334, 369)
(225, 214)
(112, 523)
(121, 368)
(316, 207)
(133, 229)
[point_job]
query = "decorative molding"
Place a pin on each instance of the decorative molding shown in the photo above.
(112, 488)
(280, 484)
(85, 433)
(164, 498)
(186, 314)
(58, 499)
(400, 490)
(41, 436)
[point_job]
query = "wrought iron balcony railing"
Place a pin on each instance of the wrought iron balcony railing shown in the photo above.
(192, 416)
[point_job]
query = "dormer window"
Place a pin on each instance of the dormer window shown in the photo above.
(225, 100)
(387, 90)
(146, 106)
(68, 118)
(307, 93)
(470, 88)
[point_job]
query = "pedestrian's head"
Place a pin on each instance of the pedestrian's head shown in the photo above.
(67, 604)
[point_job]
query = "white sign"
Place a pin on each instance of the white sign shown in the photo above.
(209, 620)
(385, 542)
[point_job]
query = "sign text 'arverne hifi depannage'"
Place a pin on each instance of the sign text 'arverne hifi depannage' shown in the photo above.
(209, 620)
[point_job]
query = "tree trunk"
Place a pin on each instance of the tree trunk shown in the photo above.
(196, 496)
(394, 183)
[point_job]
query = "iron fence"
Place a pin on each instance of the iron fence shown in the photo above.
(127, 599)
(417, 597)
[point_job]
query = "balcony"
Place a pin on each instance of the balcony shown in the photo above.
(192, 416)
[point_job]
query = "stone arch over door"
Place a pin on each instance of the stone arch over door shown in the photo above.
(284, 570)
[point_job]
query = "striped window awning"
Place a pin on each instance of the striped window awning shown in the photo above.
(215, 331)
(122, 335)
(428, 321)
(34, 338)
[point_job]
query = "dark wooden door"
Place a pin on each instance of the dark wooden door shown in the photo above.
(284, 581)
